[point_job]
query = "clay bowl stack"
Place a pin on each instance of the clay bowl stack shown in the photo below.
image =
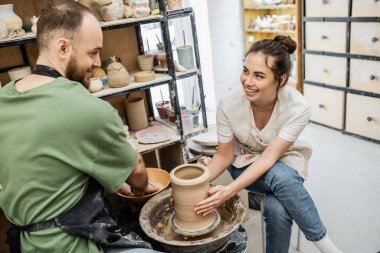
(204, 144)
(159, 178)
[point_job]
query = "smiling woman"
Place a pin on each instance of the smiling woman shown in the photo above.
(264, 118)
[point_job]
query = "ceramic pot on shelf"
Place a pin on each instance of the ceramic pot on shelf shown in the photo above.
(136, 114)
(118, 76)
(9, 17)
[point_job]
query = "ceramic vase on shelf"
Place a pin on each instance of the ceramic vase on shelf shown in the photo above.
(136, 114)
(118, 76)
(9, 17)
(140, 8)
(185, 56)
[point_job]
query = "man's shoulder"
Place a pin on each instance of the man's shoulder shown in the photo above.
(78, 100)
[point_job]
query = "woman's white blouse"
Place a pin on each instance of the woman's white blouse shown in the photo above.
(290, 116)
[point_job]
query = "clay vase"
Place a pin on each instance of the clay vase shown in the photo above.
(34, 21)
(162, 108)
(118, 76)
(95, 84)
(9, 18)
(145, 62)
(140, 8)
(136, 114)
(190, 183)
(114, 11)
(185, 56)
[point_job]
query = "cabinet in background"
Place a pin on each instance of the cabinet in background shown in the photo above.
(341, 74)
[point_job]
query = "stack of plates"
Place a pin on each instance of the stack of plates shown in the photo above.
(204, 144)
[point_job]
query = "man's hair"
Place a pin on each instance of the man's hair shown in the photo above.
(62, 18)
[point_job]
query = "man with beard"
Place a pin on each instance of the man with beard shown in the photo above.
(60, 146)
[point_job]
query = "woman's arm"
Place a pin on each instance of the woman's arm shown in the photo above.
(222, 159)
(220, 193)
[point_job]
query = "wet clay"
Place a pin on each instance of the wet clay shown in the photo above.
(154, 220)
(190, 185)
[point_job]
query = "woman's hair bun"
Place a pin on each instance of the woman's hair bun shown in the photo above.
(287, 43)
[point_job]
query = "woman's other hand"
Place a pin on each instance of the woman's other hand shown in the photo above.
(218, 195)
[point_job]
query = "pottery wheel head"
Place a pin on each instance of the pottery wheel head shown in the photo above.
(193, 233)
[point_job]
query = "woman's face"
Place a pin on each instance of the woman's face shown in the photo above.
(258, 80)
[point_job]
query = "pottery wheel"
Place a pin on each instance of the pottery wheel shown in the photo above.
(198, 232)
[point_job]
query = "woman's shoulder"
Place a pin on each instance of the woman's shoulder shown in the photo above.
(233, 97)
(291, 96)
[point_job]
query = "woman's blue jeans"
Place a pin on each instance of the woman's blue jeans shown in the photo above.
(286, 200)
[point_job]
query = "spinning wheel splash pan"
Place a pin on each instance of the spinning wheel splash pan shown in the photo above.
(154, 221)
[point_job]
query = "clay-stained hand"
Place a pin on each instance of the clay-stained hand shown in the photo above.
(126, 190)
(218, 195)
(150, 188)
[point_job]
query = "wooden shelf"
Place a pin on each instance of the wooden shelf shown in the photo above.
(31, 37)
(292, 32)
(273, 7)
(187, 73)
(131, 21)
(145, 148)
(107, 92)
(196, 130)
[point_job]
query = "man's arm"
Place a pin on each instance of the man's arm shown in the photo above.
(137, 180)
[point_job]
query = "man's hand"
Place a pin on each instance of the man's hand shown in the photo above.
(150, 188)
(126, 190)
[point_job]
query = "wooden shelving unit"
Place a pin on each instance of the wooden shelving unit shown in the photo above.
(252, 11)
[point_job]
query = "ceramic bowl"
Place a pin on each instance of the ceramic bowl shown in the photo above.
(145, 62)
(157, 177)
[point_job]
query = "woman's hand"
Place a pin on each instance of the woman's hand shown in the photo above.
(218, 195)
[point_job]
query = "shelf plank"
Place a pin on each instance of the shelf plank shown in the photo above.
(196, 130)
(109, 92)
(271, 31)
(187, 73)
(145, 148)
(273, 7)
(31, 37)
(129, 21)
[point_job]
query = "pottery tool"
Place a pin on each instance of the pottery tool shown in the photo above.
(184, 37)
(159, 42)
(162, 97)
(147, 44)
(192, 98)
(173, 41)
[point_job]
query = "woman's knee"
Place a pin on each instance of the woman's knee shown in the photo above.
(275, 212)
(281, 173)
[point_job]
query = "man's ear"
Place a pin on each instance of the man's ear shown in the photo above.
(63, 48)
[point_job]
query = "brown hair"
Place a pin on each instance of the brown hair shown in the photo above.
(279, 48)
(59, 16)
